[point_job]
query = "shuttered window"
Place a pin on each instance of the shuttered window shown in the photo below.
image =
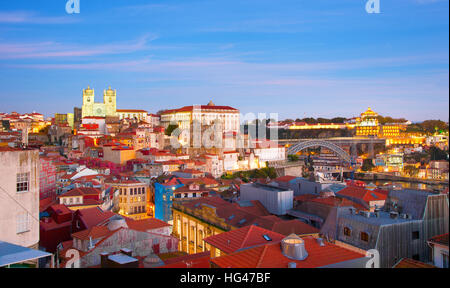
(22, 222)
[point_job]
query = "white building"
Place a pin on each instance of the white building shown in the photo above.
(276, 200)
(439, 245)
(267, 150)
(205, 114)
(19, 196)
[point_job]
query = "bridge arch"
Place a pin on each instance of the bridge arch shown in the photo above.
(313, 143)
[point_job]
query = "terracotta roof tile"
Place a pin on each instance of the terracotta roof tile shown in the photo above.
(95, 232)
(245, 237)
(440, 239)
(271, 256)
(410, 263)
(146, 224)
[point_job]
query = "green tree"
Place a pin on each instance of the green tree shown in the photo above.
(410, 170)
(367, 165)
(293, 158)
(170, 129)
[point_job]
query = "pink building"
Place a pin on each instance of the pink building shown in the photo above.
(47, 178)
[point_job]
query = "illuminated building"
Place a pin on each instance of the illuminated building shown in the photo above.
(132, 198)
(205, 114)
(64, 119)
(132, 114)
(91, 108)
(367, 124)
(194, 220)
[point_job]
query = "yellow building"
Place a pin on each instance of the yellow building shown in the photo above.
(92, 109)
(367, 124)
(140, 115)
(192, 225)
(133, 197)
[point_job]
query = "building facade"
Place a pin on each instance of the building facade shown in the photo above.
(106, 108)
(19, 190)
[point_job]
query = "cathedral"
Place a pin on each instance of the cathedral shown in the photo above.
(91, 108)
(108, 108)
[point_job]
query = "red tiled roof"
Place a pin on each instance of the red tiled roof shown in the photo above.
(271, 256)
(337, 202)
(245, 237)
(94, 216)
(198, 260)
(362, 193)
(286, 178)
(287, 227)
(190, 171)
(203, 107)
(95, 232)
(305, 197)
(146, 224)
(410, 263)
(440, 239)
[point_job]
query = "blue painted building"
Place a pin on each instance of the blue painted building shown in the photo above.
(164, 198)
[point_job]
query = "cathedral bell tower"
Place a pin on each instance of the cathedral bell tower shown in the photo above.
(109, 99)
(88, 102)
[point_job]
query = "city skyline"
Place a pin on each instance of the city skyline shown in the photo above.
(296, 58)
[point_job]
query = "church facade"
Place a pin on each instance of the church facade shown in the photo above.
(92, 109)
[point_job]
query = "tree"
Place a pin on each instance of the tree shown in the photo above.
(437, 154)
(293, 158)
(410, 170)
(367, 165)
(170, 129)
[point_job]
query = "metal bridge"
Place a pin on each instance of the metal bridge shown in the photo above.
(313, 143)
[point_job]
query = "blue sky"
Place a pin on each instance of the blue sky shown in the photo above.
(312, 58)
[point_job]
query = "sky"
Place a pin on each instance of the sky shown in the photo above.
(297, 58)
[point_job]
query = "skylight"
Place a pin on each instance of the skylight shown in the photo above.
(267, 237)
(242, 221)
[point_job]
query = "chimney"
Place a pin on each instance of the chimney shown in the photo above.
(126, 251)
(91, 245)
(104, 260)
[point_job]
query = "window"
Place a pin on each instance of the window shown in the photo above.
(22, 221)
(415, 235)
(416, 257)
(364, 236)
(347, 231)
(23, 182)
(444, 260)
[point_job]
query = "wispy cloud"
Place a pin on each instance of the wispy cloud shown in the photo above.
(429, 1)
(29, 17)
(58, 50)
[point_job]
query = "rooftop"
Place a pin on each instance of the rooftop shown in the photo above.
(440, 239)
(242, 238)
(410, 263)
(271, 256)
